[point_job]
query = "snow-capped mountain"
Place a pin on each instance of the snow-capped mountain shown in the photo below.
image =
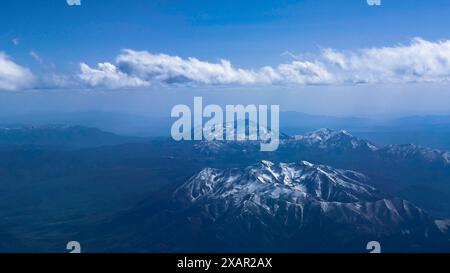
(326, 138)
(290, 207)
(323, 139)
(413, 151)
(416, 173)
(327, 142)
(294, 182)
(252, 131)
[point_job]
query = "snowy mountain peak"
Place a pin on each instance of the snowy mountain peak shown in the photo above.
(289, 181)
(306, 163)
(288, 203)
(326, 138)
(413, 151)
(267, 163)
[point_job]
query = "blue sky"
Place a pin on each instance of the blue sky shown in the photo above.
(249, 33)
(313, 49)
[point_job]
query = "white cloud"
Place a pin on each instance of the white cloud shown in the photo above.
(420, 61)
(15, 41)
(107, 75)
(416, 62)
(172, 69)
(12, 75)
(140, 68)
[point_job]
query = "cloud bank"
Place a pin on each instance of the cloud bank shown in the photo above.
(13, 76)
(141, 68)
(420, 61)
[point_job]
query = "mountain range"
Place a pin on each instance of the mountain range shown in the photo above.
(276, 207)
(430, 131)
(325, 190)
(60, 136)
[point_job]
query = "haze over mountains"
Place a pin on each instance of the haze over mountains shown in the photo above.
(60, 136)
(431, 131)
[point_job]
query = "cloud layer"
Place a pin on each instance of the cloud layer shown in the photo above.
(13, 76)
(420, 61)
(141, 68)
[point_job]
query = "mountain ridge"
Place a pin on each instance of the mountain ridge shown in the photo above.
(279, 207)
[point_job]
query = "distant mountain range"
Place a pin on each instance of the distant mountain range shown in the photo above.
(430, 131)
(60, 136)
